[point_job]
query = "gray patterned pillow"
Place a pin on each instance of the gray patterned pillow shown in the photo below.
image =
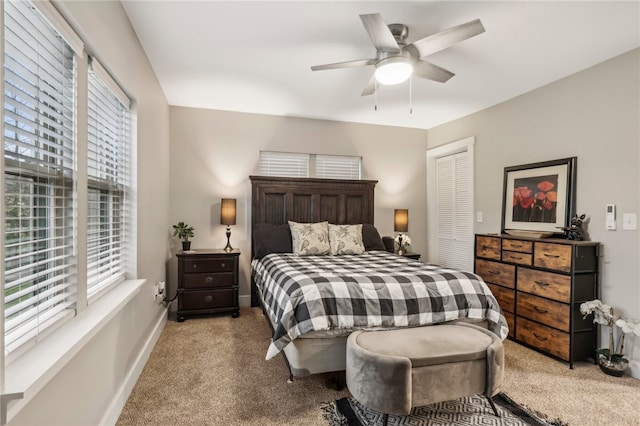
(346, 239)
(310, 239)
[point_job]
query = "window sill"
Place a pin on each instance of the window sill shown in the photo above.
(29, 373)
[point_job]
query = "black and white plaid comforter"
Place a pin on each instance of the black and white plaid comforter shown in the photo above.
(374, 289)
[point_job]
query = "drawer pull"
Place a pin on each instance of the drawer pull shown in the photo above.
(516, 257)
(494, 272)
(208, 280)
(541, 338)
(516, 245)
(551, 255)
(208, 299)
(195, 266)
(540, 310)
(222, 265)
(541, 283)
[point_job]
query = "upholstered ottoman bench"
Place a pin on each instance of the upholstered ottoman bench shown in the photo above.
(392, 371)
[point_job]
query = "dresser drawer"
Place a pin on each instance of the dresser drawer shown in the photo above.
(516, 257)
(517, 245)
(206, 299)
(552, 256)
(221, 279)
(496, 273)
(548, 312)
(545, 284)
(488, 247)
(511, 322)
(198, 265)
(506, 297)
(542, 337)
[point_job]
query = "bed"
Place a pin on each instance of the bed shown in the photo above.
(314, 302)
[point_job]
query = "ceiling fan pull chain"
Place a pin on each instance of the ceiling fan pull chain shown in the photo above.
(410, 97)
(375, 94)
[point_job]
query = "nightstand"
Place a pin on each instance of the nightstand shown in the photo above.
(207, 283)
(410, 255)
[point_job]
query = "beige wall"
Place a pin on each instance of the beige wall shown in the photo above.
(594, 115)
(214, 152)
(87, 389)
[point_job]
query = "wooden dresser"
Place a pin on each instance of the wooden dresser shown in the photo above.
(207, 283)
(540, 284)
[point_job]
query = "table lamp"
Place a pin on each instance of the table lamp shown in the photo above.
(228, 217)
(400, 224)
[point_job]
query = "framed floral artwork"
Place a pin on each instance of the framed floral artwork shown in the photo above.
(539, 197)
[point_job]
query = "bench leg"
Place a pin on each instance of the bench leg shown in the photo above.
(493, 406)
(385, 419)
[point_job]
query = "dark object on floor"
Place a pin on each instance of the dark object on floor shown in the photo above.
(469, 410)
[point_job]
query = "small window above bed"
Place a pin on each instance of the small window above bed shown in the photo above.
(294, 164)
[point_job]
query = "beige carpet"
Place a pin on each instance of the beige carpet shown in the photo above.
(211, 371)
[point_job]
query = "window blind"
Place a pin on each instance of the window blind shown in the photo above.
(338, 167)
(39, 111)
(108, 172)
(287, 164)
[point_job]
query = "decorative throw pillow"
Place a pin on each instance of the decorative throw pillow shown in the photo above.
(268, 238)
(371, 238)
(310, 239)
(346, 239)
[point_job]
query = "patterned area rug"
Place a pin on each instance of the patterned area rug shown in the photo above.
(472, 410)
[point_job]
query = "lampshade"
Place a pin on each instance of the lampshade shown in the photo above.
(393, 70)
(228, 211)
(401, 220)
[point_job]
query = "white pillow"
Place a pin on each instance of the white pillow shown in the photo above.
(346, 239)
(310, 239)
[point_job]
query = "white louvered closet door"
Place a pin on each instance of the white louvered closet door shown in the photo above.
(455, 212)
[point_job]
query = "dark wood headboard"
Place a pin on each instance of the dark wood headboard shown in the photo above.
(277, 200)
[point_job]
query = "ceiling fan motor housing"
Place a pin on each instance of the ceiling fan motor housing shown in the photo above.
(400, 33)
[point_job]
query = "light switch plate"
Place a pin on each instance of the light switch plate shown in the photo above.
(479, 217)
(629, 221)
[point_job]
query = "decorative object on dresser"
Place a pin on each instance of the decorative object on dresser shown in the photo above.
(539, 196)
(576, 231)
(401, 224)
(184, 232)
(228, 217)
(611, 359)
(207, 283)
(540, 285)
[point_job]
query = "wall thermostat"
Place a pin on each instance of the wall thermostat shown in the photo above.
(610, 217)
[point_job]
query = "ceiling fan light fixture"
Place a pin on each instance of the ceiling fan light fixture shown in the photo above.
(393, 70)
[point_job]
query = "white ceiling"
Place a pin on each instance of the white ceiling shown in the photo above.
(256, 56)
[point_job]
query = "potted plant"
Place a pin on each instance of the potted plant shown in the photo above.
(611, 359)
(184, 232)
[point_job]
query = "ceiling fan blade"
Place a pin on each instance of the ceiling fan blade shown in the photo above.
(370, 88)
(379, 33)
(347, 64)
(439, 41)
(424, 69)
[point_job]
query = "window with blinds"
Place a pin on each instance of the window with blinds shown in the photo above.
(286, 164)
(39, 111)
(108, 171)
(290, 164)
(338, 167)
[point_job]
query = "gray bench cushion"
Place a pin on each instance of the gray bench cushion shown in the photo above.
(430, 345)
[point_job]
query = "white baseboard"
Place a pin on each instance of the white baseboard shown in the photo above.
(112, 413)
(244, 301)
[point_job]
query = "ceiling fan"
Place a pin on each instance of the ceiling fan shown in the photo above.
(396, 60)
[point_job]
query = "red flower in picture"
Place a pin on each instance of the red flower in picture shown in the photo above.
(545, 186)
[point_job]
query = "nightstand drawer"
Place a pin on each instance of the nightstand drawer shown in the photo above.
(208, 299)
(552, 256)
(545, 284)
(497, 273)
(542, 337)
(220, 264)
(223, 279)
(488, 247)
(548, 312)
